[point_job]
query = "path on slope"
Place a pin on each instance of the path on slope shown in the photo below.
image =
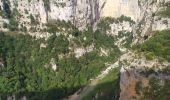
(87, 89)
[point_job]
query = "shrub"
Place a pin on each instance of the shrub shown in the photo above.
(5, 25)
(150, 56)
(158, 45)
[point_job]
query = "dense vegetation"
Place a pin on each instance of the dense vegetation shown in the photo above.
(158, 45)
(27, 69)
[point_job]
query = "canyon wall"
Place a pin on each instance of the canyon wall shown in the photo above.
(80, 12)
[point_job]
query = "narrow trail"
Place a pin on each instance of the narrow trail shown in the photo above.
(81, 93)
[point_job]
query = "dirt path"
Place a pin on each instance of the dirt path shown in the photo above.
(78, 95)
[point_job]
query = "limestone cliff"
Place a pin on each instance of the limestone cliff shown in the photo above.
(82, 12)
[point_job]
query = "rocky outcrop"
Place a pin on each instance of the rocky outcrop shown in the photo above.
(160, 23)
(81, 51)
(136, 69)
(148, 20)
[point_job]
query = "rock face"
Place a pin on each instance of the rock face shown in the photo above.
(116, 8)
(161, 24)
(87, 10)
(135, 69)
(83, 12)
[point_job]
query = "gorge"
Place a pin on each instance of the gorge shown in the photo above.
(84, 49)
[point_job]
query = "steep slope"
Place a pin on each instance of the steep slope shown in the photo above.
(50, 49)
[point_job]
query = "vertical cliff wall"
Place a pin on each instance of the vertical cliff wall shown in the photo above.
(81, 12)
